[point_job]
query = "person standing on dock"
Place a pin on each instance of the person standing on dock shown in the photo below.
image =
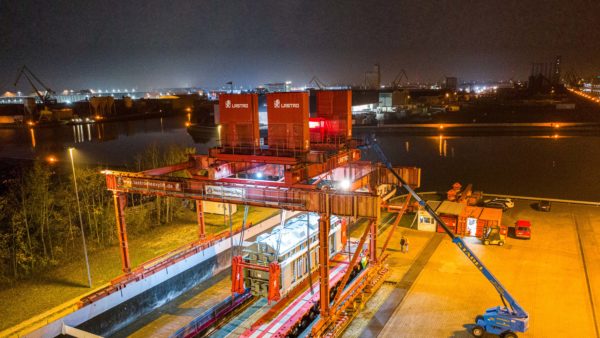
(402, 243)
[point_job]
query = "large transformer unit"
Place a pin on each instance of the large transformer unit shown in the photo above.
(293, 247)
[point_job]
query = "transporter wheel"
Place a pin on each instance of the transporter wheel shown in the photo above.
(313, 312)
(509, 334)
(501, 243)
(486, 242)
(477, 331)
(294, 332)
(332, 293)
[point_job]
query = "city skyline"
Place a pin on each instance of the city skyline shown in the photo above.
(206, 44)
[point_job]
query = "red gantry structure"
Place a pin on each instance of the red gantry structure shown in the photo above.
(310, 165)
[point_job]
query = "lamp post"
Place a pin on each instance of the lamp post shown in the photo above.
(87, 263)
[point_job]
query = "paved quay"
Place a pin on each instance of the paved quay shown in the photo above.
(554, 276)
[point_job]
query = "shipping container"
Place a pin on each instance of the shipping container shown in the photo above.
(288, 116)
(469, 224)
(238, 117)
(489, 217)
(450, 222)
(449, 213)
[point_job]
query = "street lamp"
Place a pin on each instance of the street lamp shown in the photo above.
(87, 263)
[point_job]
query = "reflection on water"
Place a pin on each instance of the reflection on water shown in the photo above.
(108, 143)
(546, 166)
(551, 165)
(32, 132)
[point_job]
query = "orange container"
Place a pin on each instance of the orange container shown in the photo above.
(239, 120)
(288, 115)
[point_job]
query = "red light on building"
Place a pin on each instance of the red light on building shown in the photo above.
(336, 107)
(315, 123)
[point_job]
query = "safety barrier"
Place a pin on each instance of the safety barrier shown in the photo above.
(210, 317)
(558, 200)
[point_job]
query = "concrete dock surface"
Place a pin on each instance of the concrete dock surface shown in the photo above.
(555, 276)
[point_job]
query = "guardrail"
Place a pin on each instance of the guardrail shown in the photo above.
(596, 204)
(529, 198)
(210, 317)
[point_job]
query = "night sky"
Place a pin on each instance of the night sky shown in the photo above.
(151, 44)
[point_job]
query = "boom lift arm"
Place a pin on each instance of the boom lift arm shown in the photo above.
(496, 320)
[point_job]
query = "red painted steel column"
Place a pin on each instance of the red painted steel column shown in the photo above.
(324, 225)
(120, 200)
(200, 213)
(373, 241)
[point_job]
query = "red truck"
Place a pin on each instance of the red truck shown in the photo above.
(523, 229)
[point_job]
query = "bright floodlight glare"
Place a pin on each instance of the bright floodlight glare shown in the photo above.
(345, 184)
(259, 175)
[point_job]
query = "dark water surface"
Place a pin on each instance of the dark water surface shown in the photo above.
(550, 166)
(547, 166)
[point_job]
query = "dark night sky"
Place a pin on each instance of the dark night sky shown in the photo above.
(143, 44)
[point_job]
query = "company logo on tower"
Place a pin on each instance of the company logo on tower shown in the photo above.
(277, 104)
(229, 105)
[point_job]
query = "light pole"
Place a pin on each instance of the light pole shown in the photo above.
(87, 263)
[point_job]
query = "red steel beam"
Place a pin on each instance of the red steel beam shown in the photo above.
(120, 201)
(324, 225)
(337, 202)
(373, 243)
(168, 169)
(396, 222)
(255, 158)
(363, 238)
(200, 215)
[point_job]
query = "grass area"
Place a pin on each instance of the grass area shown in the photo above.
(40, 293)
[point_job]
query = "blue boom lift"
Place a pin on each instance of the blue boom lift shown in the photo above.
(500, 320)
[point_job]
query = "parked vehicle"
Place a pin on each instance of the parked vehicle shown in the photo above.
(544, 205)
(494, 235)
(496, 205)
(523, 229)
(508, 203)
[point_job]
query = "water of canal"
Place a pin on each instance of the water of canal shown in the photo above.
(552, 166)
